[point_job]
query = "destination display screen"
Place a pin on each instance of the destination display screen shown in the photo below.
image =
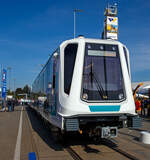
(101, 53)
(101, 50)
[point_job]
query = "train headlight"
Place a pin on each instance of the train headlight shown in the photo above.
(85, 96)
(120, 96)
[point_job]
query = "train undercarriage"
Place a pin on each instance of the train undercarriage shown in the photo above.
(102, 126)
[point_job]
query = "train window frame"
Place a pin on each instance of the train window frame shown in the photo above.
(126, 58)
(67, 89)
(103, 101)
(37, 82)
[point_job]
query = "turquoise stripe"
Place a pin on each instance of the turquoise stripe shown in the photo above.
(106, 108)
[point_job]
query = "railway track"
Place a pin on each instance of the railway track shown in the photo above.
(120, 151)
(73, 154)
(77, 153)
(104, 142)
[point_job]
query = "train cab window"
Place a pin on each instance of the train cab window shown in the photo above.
(125, 53)
(69, 62)
(102, 74)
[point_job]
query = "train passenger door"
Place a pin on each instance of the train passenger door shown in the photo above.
(54, 91)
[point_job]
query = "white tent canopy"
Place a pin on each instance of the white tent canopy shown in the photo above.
(146, 87)
(142, 96)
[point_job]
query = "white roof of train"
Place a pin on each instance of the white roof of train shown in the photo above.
(93, 40)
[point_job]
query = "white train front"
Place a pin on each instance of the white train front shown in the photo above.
(88, 87)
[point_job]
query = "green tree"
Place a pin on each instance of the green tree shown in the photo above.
(19, 91)
(26, 89)
(9, 92)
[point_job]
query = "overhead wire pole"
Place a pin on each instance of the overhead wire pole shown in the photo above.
(1, 79)
(74, 11)
(14, 87)
(74, 23)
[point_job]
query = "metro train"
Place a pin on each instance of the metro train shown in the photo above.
(87, 83)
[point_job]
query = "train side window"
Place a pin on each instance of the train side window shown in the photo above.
(125, 53)
(54, 74)
(69, 62)
(53, 82)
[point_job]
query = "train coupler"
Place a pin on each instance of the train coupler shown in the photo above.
(109, 132)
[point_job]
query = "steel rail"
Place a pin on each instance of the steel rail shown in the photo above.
(125, 154)
(125, 135)
(76, 156)
(73, 154)
(120, 151)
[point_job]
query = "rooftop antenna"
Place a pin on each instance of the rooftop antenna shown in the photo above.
(110, 22)
(74, 12)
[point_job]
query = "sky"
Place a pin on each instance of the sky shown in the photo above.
(30, 30)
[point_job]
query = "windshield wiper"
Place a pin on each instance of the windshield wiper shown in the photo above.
(99, 85)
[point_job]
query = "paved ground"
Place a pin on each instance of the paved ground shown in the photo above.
(37, 138)
(40, 140)
(9, 123)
